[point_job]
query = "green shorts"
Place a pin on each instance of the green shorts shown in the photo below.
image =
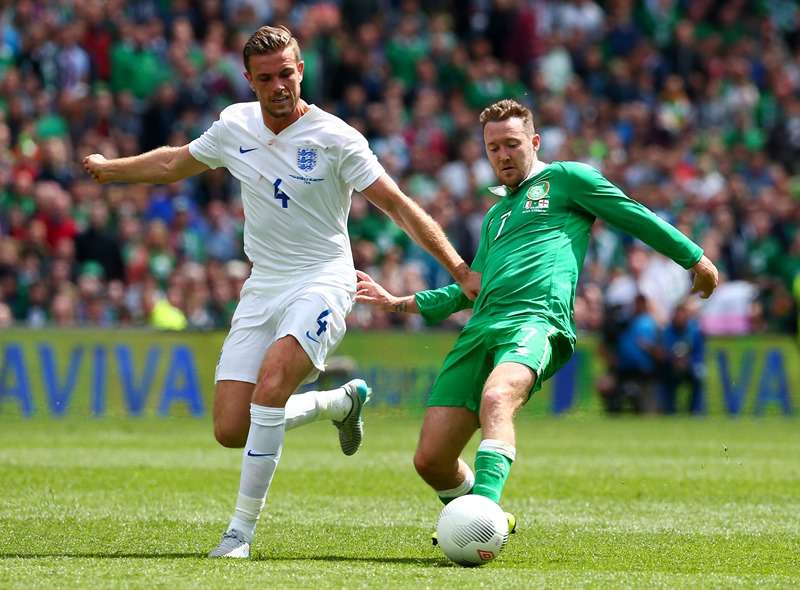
(531, 341)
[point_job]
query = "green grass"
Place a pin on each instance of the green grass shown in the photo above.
(602, 503)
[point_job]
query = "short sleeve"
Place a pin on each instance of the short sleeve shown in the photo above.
(206, 148)
(359, 166)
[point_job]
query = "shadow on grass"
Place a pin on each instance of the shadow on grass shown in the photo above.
(354, 558)
(430, 561)
(100, 555)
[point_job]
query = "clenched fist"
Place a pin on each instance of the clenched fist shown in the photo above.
(706, 278)
(97, 166)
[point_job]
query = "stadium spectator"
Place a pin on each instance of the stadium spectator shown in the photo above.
(637, 358)
(63, 309)
(99, 245)
(683, 346)
(6, 319)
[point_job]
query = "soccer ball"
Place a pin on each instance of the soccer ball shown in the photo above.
(472, 530)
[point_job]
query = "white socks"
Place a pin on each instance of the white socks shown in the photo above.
(334, 404)
(463, 488)
(303, 408)
(262, 451)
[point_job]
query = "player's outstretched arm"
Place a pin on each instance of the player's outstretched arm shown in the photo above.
(706, 278)
(387, 196)
(159, 166)
(371, 292)
(597, 195)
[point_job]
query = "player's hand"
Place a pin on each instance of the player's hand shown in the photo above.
(369, 291)
(469, 281)
(97, 167)
(706, 278)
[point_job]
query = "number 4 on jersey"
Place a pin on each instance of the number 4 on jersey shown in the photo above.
(280, 195)
(322, 326)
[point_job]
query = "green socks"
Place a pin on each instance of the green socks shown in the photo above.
(492, 465)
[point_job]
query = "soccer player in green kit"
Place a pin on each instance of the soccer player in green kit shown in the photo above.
(532, 245)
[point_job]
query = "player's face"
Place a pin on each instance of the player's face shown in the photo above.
(275, 78)
(511, 150)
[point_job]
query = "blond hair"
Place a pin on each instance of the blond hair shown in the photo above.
(505, 109)
(269, 40)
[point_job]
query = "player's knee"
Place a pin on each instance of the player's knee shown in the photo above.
(271, 381)
(271, 387)
(498, 399)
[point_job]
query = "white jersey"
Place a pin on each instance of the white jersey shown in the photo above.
(296, 189)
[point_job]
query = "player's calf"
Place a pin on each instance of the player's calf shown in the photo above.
(443, 474)
(232, 412)
(465, 487)
(232, 438)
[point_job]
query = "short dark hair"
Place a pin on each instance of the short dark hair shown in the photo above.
(269, 40)
(505, 109)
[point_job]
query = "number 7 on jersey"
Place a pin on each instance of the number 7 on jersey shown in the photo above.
(503, 219)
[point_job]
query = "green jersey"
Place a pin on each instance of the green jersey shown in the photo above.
(533, 242)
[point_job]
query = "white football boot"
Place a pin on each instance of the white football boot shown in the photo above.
(233, 544)
(351, 428)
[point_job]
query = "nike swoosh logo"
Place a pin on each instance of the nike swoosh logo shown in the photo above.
(310, 337)
(244, 151)
(252, 454)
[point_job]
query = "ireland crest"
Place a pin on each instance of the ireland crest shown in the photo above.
(306, 159)
(537, 199)
(538, 191)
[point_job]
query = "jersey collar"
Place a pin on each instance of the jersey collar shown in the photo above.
(503, 191)
(309, 114)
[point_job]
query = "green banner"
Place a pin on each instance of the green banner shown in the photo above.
(132, 372)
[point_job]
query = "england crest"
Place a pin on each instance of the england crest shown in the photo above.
(306, 159)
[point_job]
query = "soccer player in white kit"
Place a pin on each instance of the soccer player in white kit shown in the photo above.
(298, 166)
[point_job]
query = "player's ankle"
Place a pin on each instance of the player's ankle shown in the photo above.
(245, 526)
(335, 404)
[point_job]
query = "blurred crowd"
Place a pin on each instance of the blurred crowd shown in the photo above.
(650, 364)
(692, 107)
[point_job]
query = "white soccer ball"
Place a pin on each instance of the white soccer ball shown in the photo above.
(472, 530)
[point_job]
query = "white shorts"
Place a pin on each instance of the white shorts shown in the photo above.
(313, 314)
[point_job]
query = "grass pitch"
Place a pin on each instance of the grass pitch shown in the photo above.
(601, 503)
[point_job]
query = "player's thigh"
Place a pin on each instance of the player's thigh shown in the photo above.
(535, 344)
(315, 316)
(444, 434)
(310, 325)
(463, 373)
(232, 412)
(242, 355)
(286, 366)
(252, 332)
(283, 369)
